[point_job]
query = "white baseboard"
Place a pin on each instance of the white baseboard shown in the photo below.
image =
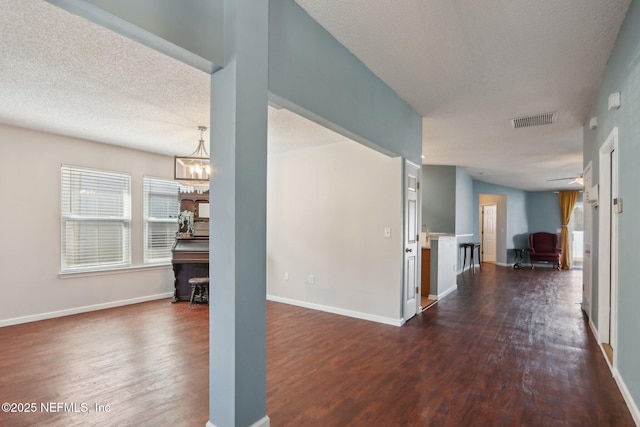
(263, 422)
(84, 309)
(626, 395)
(504, 264)
(594, 331)
(631, 404)
(336, 310)
(478, 266)
(464, 268)
(606, 358)
(433, 297)
(447, 292)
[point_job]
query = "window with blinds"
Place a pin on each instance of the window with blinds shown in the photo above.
(95, 220)
(161, 209)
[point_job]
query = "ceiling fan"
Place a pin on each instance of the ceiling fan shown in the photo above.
(574, 179)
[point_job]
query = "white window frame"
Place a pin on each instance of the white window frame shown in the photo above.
(162, 187)
(92, 202)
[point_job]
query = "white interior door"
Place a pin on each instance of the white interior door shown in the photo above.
(411, 239)
(588, 238)
(608, 242)
(489, 213)
(613, 223)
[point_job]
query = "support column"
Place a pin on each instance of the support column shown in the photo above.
(237, 307)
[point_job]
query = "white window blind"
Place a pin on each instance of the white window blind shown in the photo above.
(161, 209)
(95, 219)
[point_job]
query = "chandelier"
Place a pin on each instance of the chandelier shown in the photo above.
(194, 169)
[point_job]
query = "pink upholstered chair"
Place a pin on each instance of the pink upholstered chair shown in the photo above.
(544, 247)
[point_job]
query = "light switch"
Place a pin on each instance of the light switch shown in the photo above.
(387, 232)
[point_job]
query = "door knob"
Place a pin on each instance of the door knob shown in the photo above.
(408, 250)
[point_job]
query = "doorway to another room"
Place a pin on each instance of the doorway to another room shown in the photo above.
(587, 219)
(492, 224)
(608, 209)
(488, 233)
(412, 240)
(576, 233)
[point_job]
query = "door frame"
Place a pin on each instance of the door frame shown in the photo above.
(495, 227)
(608, 243)
(407, 312)
(501, 201)
(587, 218)
(572, 232)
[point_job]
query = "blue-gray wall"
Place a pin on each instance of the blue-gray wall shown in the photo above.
(450, 204)
(237, 312)
(464, 204)
(622, 75)
(312, 74)
(526, 211)
(439, 198)
(543, 211)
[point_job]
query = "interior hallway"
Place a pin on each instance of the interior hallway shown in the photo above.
(510, 347)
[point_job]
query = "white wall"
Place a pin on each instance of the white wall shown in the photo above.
(30, 231)
(444, 269)
(327, 208)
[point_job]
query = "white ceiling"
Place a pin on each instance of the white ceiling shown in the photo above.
(63, 74)
(469, 66)
(466, 66)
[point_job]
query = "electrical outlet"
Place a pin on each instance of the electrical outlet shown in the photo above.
(286, 275)
(312, 279)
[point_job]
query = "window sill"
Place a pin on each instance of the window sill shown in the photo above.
(68, 275)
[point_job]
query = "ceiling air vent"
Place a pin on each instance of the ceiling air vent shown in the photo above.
(537, 120)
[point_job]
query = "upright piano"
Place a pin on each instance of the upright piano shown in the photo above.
(190, 253)
(190, 258)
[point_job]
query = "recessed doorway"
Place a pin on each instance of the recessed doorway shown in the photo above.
(608, 246)
(488, 232)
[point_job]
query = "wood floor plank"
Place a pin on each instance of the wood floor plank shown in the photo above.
(508, 348)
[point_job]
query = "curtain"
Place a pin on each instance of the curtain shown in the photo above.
(568, 200)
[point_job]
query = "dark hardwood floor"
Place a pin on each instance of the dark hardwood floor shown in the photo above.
(148, 362)
(509, 348)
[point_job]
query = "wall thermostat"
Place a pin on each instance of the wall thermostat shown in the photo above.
(617, 205)
(614, 101)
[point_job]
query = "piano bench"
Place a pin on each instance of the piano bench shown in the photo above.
(201, 286)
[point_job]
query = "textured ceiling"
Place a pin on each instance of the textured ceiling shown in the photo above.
(62, 74)
(467, 66)
(289, 131)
